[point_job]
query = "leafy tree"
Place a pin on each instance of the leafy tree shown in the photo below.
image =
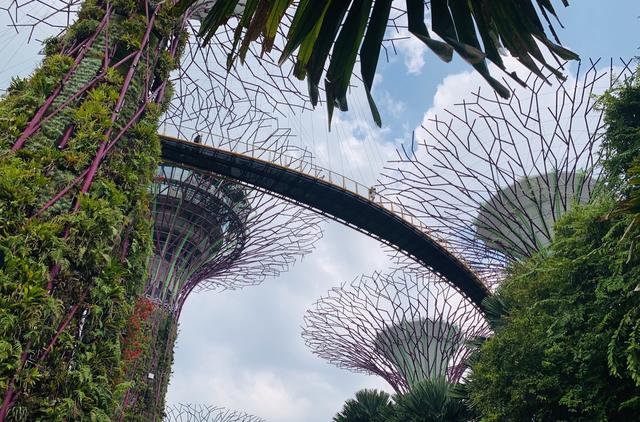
(368, 406)
(556, 351)
(621, 145)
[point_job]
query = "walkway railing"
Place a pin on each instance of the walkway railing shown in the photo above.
(300, 159)
(293, 159)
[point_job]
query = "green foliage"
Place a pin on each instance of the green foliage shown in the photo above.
(427, 401)
(430, 401)
(368, 406)
(554, 354)
(83, 29)
(331, 34)
(90, 10)
(101, 250)
(133, 30)
(621, 144)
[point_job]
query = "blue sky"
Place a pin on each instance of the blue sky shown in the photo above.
(593, 28)
(243, 349)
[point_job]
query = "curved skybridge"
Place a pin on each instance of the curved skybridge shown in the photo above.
(340, 198)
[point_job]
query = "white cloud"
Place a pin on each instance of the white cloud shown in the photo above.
(413, 51)
(392, 105)
(243, 349)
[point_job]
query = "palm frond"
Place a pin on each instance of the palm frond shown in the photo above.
(476, 30)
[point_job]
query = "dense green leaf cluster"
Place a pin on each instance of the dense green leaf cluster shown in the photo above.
(368, 406)
(621, 145)
(428, 401)
(61, 337)
(549, 357)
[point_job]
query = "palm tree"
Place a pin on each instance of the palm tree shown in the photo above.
(337, 31)
(368, 406)
(430, 401)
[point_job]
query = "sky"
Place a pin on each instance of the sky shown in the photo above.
(256, 360)
(242, 349)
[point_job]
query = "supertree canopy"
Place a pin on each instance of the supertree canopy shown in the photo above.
(209, 233)
(213, 233)
(201, 413)
(518, 220)
(495, 175)
(404, 327)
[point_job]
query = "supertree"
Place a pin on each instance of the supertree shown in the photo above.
(202, 413)
(78, 152)
(404, 327)
(495, 175)
(209, 233)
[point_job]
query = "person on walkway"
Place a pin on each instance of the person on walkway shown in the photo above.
(372, 193)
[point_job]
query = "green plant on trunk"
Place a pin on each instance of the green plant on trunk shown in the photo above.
(78, 149)
(147, 356)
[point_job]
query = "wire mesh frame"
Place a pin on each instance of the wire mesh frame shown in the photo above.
(204, 413)
(256, 235)
(516, 160)
(233, 103)
(199, 228)
(402, 326)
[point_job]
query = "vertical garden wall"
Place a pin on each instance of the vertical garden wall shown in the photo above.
(78, 149)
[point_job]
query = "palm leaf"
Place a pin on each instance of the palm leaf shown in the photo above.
(476, 30)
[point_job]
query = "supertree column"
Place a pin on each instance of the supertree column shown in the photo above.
(78, 148)
(209, 233)
(495, 175)
(78, 151)
(201, 413)
(404, 327)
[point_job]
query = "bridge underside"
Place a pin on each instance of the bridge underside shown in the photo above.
(331, 200)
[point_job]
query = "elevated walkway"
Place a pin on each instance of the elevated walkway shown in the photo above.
(335, 196)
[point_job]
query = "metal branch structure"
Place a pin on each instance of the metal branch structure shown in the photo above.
(202, 413)
(210, 233)
(404, 327)
(213, 233)
(228, 103)
(495, 175)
